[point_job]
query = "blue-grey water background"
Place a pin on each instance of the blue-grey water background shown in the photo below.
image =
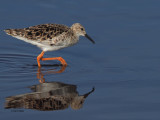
(123, 65)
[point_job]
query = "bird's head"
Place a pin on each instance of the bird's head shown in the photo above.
(79, 30)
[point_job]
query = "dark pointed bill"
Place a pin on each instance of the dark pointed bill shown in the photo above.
(89, 38)
(86, 95)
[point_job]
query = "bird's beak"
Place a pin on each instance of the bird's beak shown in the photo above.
(89, 38)
(86, 95)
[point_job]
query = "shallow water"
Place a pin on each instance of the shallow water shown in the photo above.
(123, 66)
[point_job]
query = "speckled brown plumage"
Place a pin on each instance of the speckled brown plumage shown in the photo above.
(50, 37)
(39, 32)
(47, 35)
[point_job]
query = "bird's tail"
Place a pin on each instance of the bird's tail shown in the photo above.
(13, 32)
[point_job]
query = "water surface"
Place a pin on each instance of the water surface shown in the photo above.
(123, 66)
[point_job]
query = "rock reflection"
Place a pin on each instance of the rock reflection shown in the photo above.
(48, 96)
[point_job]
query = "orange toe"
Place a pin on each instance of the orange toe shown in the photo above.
(40, 57)
(63, 62)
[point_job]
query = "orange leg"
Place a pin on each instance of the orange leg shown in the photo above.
(40, 57)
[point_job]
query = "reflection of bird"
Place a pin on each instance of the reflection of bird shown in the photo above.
(50, 37)
(48, 96)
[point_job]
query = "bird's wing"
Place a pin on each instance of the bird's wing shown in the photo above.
(39, 33)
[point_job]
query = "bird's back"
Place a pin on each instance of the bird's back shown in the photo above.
(39, 32)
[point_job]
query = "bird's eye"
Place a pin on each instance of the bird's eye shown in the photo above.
(82, 29)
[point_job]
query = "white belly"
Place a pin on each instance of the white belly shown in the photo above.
(43, 46)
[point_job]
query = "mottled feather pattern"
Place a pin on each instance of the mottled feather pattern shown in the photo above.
(39, 32)
(50, 37)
